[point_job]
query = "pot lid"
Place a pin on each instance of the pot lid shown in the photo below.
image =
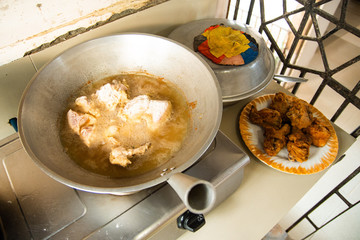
(237, 82)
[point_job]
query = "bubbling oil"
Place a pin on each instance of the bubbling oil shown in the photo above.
(165, 141)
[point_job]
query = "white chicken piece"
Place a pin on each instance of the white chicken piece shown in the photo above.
(120, 155)
(137, 106)
(155, 112)
(86, 106)
(112, 95)
(81, 124)
(159, 110)
(110, 134)
(112, 131)
(86, 134)
(83, 103)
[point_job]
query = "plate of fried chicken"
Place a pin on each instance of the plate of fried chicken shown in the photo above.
(288, 134)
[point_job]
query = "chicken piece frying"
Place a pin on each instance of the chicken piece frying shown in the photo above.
(82, 124)
(275, 139)
(112, 95)
(86, 106)
(120, 155)
(318, 133)
(299, 114)
(266, 117)
(281, 103)
(298, 145)
(154, 112)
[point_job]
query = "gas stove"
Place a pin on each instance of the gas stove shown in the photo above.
(34, 206)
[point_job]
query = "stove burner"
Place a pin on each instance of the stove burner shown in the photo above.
(34, 205)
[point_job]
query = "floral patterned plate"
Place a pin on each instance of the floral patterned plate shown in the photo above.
(319, 158)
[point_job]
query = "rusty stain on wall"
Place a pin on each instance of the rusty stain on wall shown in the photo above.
(32, 25)
(118, 10)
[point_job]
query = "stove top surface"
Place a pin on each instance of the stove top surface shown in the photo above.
(34, 206)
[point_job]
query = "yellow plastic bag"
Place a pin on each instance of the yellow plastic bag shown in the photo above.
(226, 41)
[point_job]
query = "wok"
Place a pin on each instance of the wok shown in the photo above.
(44, 101)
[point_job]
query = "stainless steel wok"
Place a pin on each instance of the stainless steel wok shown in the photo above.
(44, 100)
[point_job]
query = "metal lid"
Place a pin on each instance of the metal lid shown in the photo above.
(237, 82)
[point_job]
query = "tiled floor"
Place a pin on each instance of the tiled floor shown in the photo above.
(347, 226)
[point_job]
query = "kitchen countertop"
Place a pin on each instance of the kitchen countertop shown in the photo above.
(265, 195)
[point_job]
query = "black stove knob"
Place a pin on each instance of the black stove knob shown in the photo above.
(190, 221)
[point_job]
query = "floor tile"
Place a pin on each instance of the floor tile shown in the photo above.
(327, 210)
(331, 179)
(351, 190)
(346, 227)
(303, 229)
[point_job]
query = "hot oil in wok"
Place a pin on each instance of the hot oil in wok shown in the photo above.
(164, 140)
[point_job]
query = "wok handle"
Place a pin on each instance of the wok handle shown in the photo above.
(197, 195)
(283, 78)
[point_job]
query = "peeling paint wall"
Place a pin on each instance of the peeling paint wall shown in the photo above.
(27, 26)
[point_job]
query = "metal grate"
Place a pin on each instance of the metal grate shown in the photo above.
(287, 55)
(311, 11)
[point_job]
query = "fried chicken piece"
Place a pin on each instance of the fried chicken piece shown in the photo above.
(299, 114)
(281, 103)
(298, 145)
(266, 117)
(275, 139)
(318, 133)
